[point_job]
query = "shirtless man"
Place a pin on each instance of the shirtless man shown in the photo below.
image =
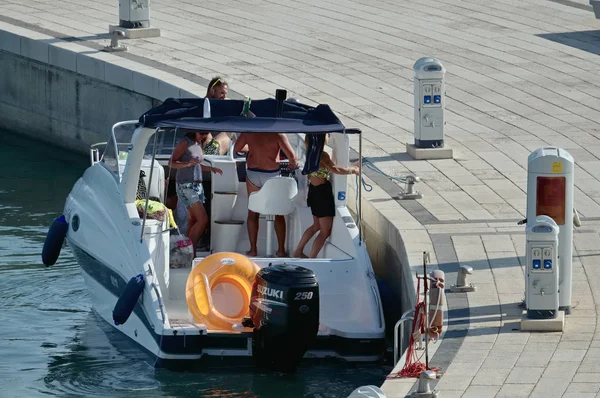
(262, 164)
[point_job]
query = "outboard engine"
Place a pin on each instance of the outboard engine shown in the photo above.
(284, 311)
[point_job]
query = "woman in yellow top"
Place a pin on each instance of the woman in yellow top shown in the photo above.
(321, 202)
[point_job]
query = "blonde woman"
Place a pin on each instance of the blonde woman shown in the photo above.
(217, 89)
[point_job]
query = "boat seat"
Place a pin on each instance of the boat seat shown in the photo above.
(275, 198)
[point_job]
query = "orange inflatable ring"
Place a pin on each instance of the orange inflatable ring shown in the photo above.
(233, 268)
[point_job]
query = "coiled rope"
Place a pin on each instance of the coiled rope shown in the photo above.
(412, 365)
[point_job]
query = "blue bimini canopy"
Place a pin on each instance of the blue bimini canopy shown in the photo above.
(226, 116)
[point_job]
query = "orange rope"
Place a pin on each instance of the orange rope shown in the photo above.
(412, 366)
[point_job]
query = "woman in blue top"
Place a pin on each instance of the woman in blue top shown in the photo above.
(321, 202)
(187, 158)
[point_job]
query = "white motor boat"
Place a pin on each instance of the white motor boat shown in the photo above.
(223, 304)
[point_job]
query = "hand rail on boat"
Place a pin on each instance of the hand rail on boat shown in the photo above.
(158, 297)
(359, 188)
(95, 152)
(379, 305)
(114, 138)
(400, 324)
(97, 144)
(94, 148)
(160, 303)
(149, 186)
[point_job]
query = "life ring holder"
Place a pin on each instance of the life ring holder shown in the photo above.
(219, 268)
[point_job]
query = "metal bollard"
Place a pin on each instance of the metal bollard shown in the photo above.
(410, 192)
(423, 387)
(115, 46)
(461, 280)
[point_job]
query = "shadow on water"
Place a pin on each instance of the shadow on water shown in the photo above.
(53, 344)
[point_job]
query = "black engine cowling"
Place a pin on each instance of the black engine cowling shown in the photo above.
(284, 311)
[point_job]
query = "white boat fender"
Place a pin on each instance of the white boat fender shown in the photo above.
(367, 392)
(128, 299)
(436, 304)
(54, 241)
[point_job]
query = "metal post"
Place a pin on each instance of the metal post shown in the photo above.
(359, 189)
(400, 324)
(426, 310)
(149, 185)
(170, 168)
(280, 96)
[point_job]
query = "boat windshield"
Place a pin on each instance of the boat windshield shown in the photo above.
(114, 151)
(166, 140)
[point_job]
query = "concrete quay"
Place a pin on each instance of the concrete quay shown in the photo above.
(521, 75)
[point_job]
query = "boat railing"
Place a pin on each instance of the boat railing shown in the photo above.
(407, 316)
(118, 142)
(95, 152)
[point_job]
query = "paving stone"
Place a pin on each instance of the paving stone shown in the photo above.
(577, 336)
(490, 377)
(453, 393)
(577, 345)
(481, 391)
(591, 364)
(585, 387)
(500, 360)
(524, 375)
(507, 347)
(515, 390)
(454, 382)
(534, 359)
(462, 369)
(550, 388)
(583, 377)
(560, 370)
(563, 355)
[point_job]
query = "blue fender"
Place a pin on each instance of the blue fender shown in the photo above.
(128, 299)
(386, 294)
(54, 240)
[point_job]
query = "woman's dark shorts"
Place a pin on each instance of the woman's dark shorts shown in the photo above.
(320, 200)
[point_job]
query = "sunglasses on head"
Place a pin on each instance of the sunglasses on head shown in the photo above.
(215, 83)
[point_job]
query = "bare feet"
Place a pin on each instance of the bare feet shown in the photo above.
(300, 255)
(251, 253)
(281, 254)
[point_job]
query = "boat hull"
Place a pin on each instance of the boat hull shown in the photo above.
(105, 284)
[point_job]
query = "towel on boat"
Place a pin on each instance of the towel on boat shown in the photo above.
(156, 211)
